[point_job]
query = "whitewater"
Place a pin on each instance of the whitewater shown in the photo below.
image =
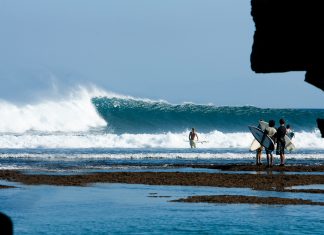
(93, 118)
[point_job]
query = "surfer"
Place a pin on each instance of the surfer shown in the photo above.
(281, 132)
(258, 156)
(192, 136)
(270, 131)
(259, 150)
(290, 132)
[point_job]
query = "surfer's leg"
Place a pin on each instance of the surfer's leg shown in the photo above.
(269, 158)
(282, 159)
(282, 153)
(258, 156)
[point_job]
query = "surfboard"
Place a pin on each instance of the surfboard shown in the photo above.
(202, 141)
(263, 125)
(262, 138)
(289, 145)
(199, 141)
(255, 145)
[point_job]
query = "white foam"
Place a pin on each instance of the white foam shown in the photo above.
(216, 139)
(73, 113)
(122, 156)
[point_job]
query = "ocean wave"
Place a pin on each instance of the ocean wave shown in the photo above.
(93, 109)
(142, 116)
(214, 139)
(73, 113)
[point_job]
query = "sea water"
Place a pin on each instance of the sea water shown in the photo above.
(101, 132)
(144, 209)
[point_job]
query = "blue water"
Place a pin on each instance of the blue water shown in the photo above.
(95, 133)
(130, 209)
(138, 116)
(133, 209)
(94, 122)
(106, 160)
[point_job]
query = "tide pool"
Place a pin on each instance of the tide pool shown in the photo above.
(145, 209)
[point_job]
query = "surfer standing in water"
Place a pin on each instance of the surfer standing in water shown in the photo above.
(192, 136)
(281, 132)
(259, 150)
(271, 132)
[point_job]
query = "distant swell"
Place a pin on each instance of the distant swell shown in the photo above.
(140, 116)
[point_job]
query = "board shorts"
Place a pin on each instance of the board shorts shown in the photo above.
(192, 143)
(268, 151)
(280, 147)
(259, 150)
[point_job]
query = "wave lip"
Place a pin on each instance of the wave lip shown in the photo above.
(129, 115)
(71, 114)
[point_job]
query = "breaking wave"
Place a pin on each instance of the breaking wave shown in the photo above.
(93, 118)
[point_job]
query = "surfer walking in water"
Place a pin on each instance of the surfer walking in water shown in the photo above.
(192, 136)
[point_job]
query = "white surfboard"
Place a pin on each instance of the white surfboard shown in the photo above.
(263, 125)
(289, 145)
(198, 141)
(262, 138)
(255, 145)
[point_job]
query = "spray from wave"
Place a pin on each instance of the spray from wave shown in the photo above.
(73, 113)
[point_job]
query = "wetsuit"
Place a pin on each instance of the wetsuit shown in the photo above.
(281, 132)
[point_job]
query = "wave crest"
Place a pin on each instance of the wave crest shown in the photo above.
(73, 113)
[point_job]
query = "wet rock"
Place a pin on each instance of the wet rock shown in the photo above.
(237, 199)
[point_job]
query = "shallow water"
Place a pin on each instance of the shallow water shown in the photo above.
(131, 209)
(97, 159)
(144, 209)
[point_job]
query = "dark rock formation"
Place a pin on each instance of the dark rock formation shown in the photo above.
(289, 37)
(236, 199)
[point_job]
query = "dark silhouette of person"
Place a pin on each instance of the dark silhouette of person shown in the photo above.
(6, 226)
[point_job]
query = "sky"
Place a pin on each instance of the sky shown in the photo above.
(175, 50)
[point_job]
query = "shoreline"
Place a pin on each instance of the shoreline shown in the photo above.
(267, 182)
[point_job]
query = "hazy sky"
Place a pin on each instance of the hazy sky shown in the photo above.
(176, 50)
